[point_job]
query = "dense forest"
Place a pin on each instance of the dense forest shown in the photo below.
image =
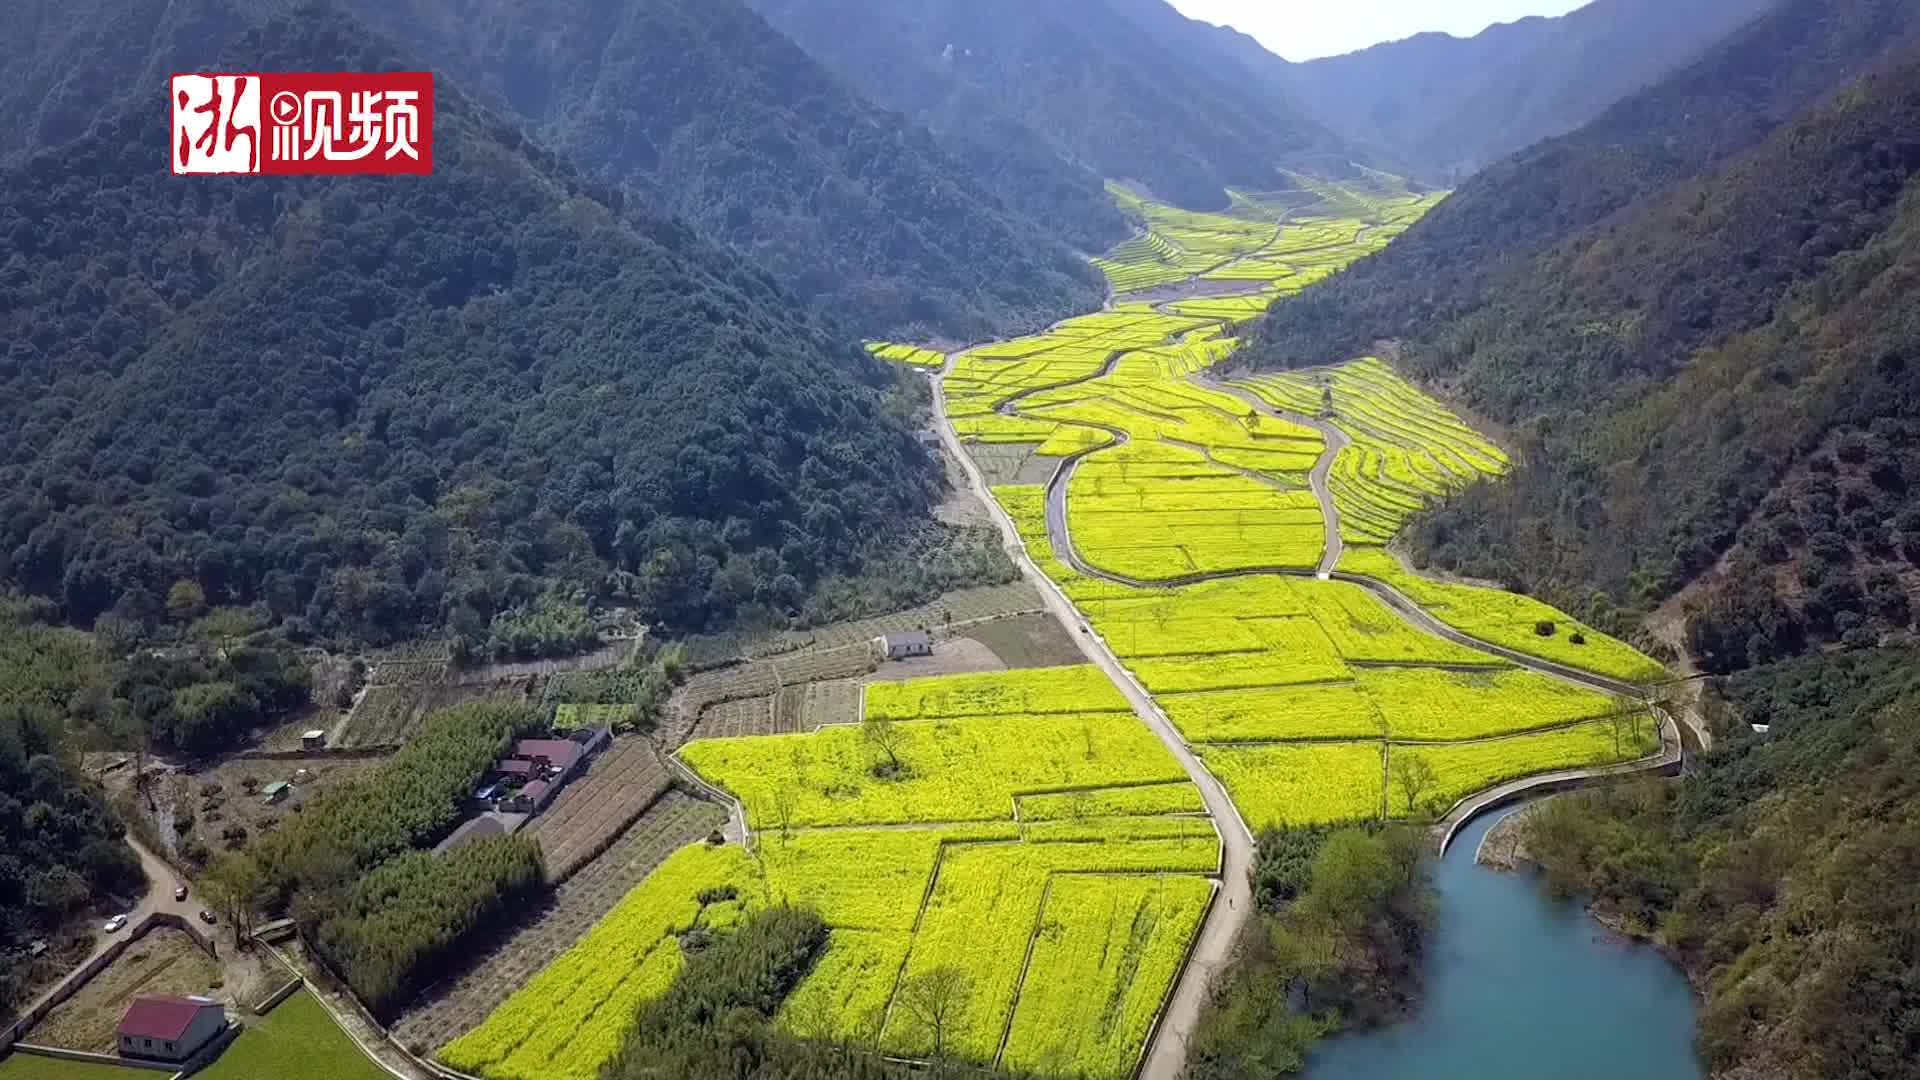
(60, 845)
(1080, 76)
(711, 115)
(1336, 944)
(1667, 339)
(1784, 873)
(375, 407)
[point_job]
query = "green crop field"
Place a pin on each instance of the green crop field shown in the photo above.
(296, 1041)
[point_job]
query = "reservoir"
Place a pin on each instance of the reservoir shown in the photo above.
(1520, 986)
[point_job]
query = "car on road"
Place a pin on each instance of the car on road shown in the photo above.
(180, 893)
(115, 924)
(206, 916)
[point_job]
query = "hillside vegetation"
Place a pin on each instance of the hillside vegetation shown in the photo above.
(1445, 107)
(1780, 873)
(1693, 311)
(373, 407)
(714, 117)
(1087, 81)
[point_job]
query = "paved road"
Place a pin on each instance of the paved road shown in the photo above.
(1233, 902)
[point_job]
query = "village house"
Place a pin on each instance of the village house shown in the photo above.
(902, 645)
(170, 1028)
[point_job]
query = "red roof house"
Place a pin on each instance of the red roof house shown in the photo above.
(170, 1028)
(562, 754)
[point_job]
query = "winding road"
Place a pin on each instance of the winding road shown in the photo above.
(1216, 942)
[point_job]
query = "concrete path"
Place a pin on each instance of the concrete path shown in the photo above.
(1214, 947)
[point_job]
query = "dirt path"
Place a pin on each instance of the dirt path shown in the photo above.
(161, 881)
(1233, 905)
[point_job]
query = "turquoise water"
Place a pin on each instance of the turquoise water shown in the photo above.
(1521, 987)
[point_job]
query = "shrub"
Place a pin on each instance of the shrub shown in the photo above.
(1545, 628)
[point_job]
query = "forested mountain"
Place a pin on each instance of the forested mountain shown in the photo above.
(715, 117)
(1083, 78)
(374, 406)
(1446, 106)
(1780, 872)
(1675, 307)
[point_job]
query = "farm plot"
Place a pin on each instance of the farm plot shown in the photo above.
(1005, 886)
(388, 715)
(296, 1041)
(1071, 689)
(1027, 641)
(911, 355)
(1105, 948)
(164, 961)
(1508, 619)
(1460, 769)
(1284, 785)
(457, 1006)
(1363, 629)
(593, 811)
(1429, 704)
(1329, 711)
(566, 1021)
(964, 769)
(740, 716)
(1180, 797)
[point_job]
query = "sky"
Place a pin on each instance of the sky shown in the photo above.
(1305, 29)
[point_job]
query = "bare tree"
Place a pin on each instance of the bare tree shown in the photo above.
(1414, 776)
(783, 812)
(936, 999)
(886, 735)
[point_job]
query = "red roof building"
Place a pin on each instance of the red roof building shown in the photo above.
(562, 754)
(515, 767)
(170, 1028)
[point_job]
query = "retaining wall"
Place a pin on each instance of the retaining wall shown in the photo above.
(91, 1058)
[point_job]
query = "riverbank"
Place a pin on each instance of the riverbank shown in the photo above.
(1513, 978)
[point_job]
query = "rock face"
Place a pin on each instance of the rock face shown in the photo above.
(1505, 845)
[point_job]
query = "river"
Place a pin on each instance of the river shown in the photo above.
(1522, 987)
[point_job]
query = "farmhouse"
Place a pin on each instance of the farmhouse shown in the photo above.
(901, 645)
(170, 1028)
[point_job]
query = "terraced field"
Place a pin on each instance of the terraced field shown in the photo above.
(1297, 689)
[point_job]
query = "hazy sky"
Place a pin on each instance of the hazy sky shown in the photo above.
(1304, 29)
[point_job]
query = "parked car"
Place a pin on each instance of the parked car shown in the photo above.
(116, 924)
(180, 893)
(206, 916)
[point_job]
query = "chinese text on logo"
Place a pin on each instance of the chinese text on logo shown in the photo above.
(289, 123)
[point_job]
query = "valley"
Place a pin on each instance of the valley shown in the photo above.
(1254, 660)
(1041, 554)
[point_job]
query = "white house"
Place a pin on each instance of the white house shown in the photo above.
(909, 643)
